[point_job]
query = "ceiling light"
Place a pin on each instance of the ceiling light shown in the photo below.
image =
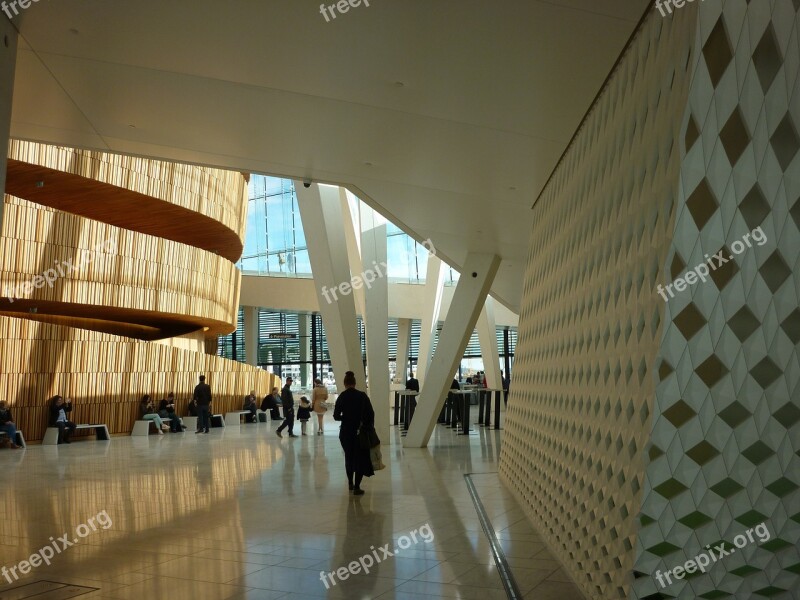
(40, 184)
(399, 84)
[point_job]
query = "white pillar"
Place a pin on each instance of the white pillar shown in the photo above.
(376, 284)
(473, 286)
(403, 343)
(434, 287)
(351, 226)
(304, 325)
(250, 334)
(8, 61)
(323, 222)
(487, 336)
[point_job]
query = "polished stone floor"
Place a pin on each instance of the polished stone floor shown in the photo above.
(247, 515)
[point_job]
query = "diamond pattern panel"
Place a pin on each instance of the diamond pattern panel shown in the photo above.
(734, 463)
(579, 414)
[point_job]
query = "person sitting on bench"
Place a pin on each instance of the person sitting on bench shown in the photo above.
(270, 404)
(7, 424)
(192, 408)
(58, 418)
(166, 410)
(250, 404)
(147, 412)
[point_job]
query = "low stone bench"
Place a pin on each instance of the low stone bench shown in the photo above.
(142, 427)
(20, 441)
(101, 432)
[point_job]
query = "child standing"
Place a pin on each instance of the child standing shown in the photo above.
(304, 413)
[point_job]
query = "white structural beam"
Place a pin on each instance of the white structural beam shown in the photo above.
(323, 223)
(376, 316)
(8, 60)
(403, 343)
(250, 334)
(487, 336)
(473, 286)
(351, 227)
(434, 286)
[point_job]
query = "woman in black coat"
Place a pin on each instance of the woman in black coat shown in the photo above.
(354, 408)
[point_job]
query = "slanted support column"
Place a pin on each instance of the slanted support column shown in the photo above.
(487, 336)
(304, 325)
(434, 287)
(476, 278)
(403, 343)
(323, 222)
(8, 60)
(376, 317)
(250, 335)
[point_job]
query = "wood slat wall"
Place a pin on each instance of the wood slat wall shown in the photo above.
(106, 375)
(218, 194)
(141, 273)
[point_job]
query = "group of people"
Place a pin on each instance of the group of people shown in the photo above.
(317, 405)
(164, 412)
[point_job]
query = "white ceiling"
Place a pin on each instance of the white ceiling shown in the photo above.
(492, 91)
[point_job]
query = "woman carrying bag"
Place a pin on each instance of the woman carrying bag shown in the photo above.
(354, 410)
(318, 398)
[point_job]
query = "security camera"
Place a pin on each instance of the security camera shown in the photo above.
(306, 183)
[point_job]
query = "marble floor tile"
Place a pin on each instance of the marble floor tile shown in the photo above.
(250, 516)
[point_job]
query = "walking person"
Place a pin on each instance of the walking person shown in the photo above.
(318, 398)
(288, 409)
(304, 414)
(202, 395)
(354, 410)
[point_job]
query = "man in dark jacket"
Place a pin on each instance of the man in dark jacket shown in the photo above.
(412, 385)
(288, 409)
(202, 395)
(58, 418)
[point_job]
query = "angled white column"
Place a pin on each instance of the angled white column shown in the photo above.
(476, 278)
(304, 325)
(323, 223)
(376, 292)
(353, 240)
(250, 334)
(434, 287)
(403, 343)
(487, 336)
(8, 60)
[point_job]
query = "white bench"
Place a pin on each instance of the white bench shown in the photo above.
(101, 432)
(20, 441)
(234, 418)
(142, 427)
